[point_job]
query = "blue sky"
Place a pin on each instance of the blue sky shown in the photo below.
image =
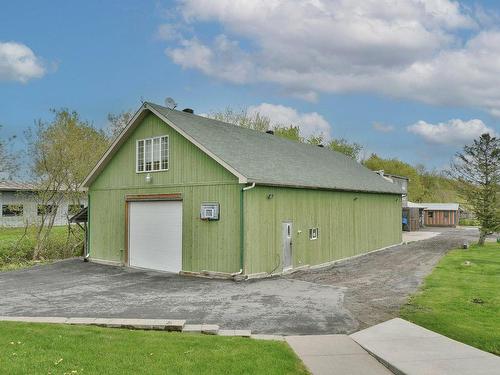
(413, 81)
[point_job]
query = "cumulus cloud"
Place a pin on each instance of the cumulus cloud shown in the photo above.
(19, 63)
(414, 49)
(223, 59)
(452, 132)
(168, 32)
(382, 128)
(310, 123)
(308, 96)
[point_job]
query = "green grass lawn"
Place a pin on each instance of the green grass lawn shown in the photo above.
(16, 249)
(27, 348)
(8, 235)
(461, 298)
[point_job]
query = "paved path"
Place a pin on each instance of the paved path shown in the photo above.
(343, 298)
(376, 285)
(335, 355)
(76, 289)
(413, 350)
(418, 236)
(142, 324)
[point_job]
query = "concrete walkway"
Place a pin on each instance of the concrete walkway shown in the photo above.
(410, 349)
(335, 355)
(144, 324)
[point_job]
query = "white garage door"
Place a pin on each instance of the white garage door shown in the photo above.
(155, 235)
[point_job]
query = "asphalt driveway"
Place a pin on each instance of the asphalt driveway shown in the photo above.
(340, 299)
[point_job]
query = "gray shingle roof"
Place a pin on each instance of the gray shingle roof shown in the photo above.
(441, 206)
(271, 160)
(16, 186)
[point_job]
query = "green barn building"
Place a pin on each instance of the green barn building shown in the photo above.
(183, 193)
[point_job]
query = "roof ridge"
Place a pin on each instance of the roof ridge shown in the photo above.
(256, 132)
(254, 156)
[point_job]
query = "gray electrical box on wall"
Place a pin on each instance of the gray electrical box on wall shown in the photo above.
(209, 211)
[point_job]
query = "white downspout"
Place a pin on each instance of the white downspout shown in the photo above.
(249, 187)
(242, 190)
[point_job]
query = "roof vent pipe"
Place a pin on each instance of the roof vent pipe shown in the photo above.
(270, 132)
(188, 110)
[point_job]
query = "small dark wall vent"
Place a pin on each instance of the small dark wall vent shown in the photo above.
(188, 110)
(270, 132)
(320, 145)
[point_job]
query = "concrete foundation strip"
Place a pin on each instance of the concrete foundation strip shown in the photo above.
(144, 324)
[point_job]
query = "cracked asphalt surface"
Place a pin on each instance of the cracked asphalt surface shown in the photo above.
(342, 298)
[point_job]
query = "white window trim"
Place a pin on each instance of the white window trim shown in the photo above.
(152, 155)
(313, 233)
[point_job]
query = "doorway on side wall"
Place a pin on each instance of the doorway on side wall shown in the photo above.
(287, 245)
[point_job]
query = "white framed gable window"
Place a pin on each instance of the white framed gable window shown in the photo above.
(152, 154)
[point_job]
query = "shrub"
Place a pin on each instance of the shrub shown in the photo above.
(17, 245)
(469, 222)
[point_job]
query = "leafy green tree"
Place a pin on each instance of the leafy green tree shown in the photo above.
(118, 122)
(65, 149)
(315, 139)
(416, 191)
(477, 172)
(289, 131)
(351, 149)
(63, 152)
(437, 186)
(243, 119)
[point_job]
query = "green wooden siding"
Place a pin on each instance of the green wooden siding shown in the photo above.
(212, 246)
(349, 224)
(187, 165)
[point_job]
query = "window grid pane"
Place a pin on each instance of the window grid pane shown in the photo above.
(140, 156)
(164, 152)
(152, 154)
(148, 156)
(156, 154)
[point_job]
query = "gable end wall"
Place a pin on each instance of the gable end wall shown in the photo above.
(212, 246)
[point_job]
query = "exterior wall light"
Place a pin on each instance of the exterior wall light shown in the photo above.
(149, 179)
(270, 196)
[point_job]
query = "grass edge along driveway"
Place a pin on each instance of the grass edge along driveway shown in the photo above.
(461, 298)
(27, 348)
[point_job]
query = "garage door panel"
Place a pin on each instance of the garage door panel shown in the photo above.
(155, 235)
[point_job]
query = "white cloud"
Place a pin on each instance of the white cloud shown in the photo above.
(223, 59)
(410, 49)
(452, 132)
(310, 123)
(383, 128)
(19, 63)
(308, 96)
(168, 32)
